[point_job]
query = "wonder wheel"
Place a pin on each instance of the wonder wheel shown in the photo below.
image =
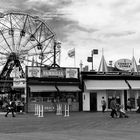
(25, 40)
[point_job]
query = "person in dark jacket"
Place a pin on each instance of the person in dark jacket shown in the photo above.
(138, 103)
(113, 106)
(103, 103)
(10, 108)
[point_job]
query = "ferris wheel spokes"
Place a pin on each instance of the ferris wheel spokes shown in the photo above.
(25, 38)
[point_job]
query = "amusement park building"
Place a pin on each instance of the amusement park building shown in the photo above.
(82, 90)
(85, 89)
(51, 86)
(121, 85)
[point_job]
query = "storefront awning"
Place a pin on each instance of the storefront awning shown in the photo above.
(40, 88)
(68, 88)
(134, 84)
(106, 85)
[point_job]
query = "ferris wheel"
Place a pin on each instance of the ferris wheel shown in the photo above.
(26, 40)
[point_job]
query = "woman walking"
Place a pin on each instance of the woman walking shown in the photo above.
(113, 106)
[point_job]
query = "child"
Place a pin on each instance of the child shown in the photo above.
(122, 112)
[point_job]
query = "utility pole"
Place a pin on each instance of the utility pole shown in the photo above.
(92, 59)
(81, 65)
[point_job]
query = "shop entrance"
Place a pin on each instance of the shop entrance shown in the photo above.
(125, 99)
(93, 101)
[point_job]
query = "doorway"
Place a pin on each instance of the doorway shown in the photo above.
(93, 101)
(125, 99)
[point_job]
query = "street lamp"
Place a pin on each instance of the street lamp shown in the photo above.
(57, 45)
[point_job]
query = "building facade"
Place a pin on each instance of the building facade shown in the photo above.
(49, 87)
(123, 86)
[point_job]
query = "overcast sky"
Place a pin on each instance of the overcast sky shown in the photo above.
(111, 25)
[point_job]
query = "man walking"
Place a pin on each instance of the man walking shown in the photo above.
(113, 106)
(10, 108)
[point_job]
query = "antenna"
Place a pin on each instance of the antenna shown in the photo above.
(133, 52)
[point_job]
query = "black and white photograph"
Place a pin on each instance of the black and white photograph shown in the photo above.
(69, 70)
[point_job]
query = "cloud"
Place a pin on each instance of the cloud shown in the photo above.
(119, 34)
(88, 24)
(88, 13)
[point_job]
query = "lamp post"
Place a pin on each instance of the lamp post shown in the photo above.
(58, 45)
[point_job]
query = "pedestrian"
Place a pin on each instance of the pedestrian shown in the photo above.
(113, 106)
(1, 103)
(129, 104)
(69, 101)
(103, 103)
(10, 108)
(122, 112)
(138, 103)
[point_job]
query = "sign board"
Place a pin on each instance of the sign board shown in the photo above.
(19, 82)
(123, 64)
(34, 71)
(52, 73)
(71, 73)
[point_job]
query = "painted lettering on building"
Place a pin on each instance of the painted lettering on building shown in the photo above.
(123, 64)
(52, 73)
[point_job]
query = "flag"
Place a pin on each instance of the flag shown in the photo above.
(71, 53)
(94, 51)
(89, 59)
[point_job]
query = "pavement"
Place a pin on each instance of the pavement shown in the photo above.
(78, 126)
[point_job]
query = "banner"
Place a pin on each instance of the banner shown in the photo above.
(34, 71)
(19, 82)
(71, 73)
(94, 51)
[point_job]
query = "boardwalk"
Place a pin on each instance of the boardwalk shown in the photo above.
(79, 126)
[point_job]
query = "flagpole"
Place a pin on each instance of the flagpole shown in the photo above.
(133, 52)
(74, 59)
